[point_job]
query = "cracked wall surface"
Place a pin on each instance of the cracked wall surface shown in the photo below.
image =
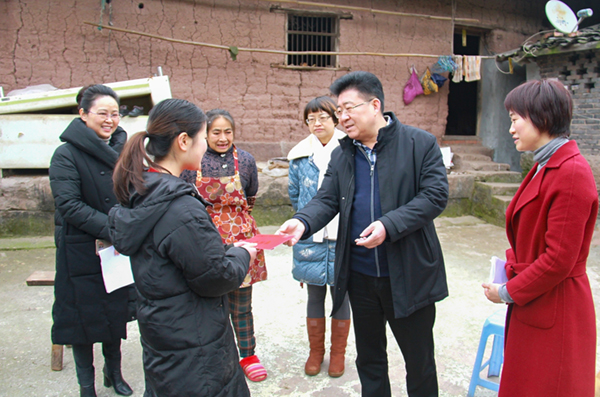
(48, 43)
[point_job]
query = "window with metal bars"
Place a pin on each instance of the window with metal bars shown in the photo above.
(312, 33)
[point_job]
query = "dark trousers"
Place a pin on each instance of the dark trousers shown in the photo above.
(372, 308)
(84, 360)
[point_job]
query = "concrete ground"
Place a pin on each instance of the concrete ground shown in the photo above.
(279, 311)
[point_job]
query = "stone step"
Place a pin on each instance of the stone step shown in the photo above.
(491, 208)
(496, 176)
(501, 188)
(504, 199)
(484, 166)
(471, 149)
(470, 157)
(449, 140)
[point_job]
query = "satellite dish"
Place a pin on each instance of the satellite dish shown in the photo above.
(561, 16)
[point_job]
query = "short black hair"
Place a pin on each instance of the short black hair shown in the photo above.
(367, 84)
(546, 103)
(321, 104)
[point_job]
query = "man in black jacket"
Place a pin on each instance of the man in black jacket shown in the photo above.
(388, 183)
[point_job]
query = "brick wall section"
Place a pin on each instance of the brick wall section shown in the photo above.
(580, 72)
(47, 42)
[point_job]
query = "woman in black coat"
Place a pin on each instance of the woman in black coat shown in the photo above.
(81, 181)
(182, 269)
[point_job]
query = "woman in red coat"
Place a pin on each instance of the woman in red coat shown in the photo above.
(550, 345)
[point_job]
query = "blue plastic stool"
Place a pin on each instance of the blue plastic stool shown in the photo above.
(494, 325)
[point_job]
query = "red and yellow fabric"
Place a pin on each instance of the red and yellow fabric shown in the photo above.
(230, 214)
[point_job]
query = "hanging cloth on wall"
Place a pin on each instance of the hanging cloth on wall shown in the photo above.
(472, 65)
(457, 75)
(438, 79)
(444, 64)
(413, 87)
(428, 84)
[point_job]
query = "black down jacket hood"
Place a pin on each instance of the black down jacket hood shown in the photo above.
(130, 226)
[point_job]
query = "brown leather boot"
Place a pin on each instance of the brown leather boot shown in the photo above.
(339, 338)
(316, 337)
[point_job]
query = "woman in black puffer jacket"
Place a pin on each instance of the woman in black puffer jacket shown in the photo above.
(182, 270)
(81, 181)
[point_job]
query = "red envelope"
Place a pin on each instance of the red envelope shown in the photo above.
(268, 241)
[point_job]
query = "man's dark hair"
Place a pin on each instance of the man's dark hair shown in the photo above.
(367, 84)
(546, 103)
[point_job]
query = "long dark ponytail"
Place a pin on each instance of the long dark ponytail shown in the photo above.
(166, 121)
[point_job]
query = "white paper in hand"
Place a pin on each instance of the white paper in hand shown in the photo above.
(116, 269)
(497, 271)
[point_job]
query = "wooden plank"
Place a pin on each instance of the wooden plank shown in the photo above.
(57, 358)
(40, 277)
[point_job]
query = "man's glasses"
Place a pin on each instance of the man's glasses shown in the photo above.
(339, 112)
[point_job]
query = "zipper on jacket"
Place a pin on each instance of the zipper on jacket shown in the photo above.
(345, 202)
(345, 220)
(372, 205)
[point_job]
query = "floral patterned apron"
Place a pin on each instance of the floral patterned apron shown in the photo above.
(229, 212)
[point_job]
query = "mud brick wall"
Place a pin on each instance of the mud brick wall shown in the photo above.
(47, 42)
(580, 72)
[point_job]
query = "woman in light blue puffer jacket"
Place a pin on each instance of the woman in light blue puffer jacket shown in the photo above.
(314, 257)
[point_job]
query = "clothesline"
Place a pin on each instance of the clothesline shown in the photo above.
(234, 50)
(261, 50)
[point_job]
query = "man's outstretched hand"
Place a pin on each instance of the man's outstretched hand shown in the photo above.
(292, 227)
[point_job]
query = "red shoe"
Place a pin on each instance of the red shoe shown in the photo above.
(253, 369)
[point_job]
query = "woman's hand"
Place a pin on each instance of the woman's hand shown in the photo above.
(250, 247)
(491, 292)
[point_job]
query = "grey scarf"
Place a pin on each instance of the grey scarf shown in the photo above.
(543, 154)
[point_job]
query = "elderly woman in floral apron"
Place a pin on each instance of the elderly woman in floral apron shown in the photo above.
(228, 179)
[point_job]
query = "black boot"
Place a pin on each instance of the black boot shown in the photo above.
(114, 378)
(84, 367)
(136, 111)
(87, 391)
(123, 110)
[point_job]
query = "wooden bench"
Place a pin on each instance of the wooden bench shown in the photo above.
(47, 278)
(40, 277)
